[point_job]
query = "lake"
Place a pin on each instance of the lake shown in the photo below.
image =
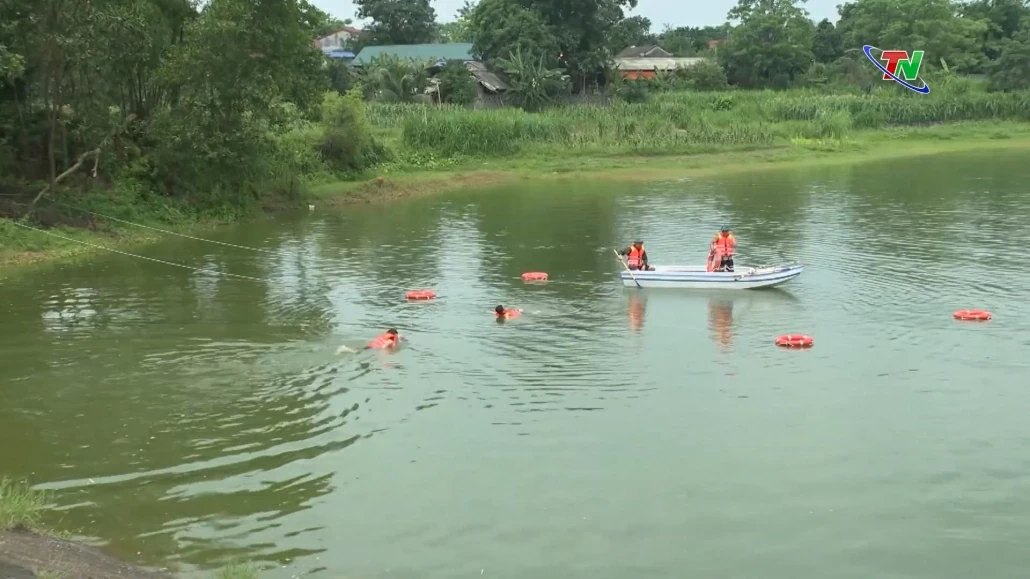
(185, 419)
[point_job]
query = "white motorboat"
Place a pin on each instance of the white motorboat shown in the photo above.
(697, 277)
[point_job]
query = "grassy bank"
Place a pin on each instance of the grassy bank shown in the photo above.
(677, 134)
(26, 544)
(421, 149)
(546, 163)
(20, 506)
(72, 227)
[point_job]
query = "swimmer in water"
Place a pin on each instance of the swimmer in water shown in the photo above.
(503, 314)
(387, 340)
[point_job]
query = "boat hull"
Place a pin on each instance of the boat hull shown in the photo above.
(696, 277)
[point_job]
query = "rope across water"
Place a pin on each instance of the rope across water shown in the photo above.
(172, 263)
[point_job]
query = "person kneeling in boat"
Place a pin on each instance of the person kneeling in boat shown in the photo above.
(504, 314)
(636, 257)
(720, 257)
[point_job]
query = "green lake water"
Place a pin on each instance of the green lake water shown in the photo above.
(185, 419)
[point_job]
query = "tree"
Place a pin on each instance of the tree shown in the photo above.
(582, 28)
(1004, 19)
(1011, 71)
(318, 21)
(11, 64)
(459, 30)
(826, 44)
(933, 26)
(571, 34)
(397, 80)
(398, 21)
(772, 46)
(688, 41)
(241, 60)
(457, 84)
(500, 28)
(632, 31)
(342, 76)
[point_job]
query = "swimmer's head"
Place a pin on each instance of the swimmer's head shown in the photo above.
(392, 331)
(499, 309)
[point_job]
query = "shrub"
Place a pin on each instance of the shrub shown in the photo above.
(706, 76)
(347, 142)
(457, 84)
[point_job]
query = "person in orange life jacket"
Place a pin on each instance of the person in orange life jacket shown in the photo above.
(389, 339)
(636, 257)
(722, 248)
(503, 314)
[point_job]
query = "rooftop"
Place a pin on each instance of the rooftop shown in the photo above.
(656, 63)
(421, 52)
(645, 51)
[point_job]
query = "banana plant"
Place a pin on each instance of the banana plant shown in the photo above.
(532, 85)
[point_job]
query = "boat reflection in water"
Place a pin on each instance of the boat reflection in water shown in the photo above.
(637, 305)
(720, 322)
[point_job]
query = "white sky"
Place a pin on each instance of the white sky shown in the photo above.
(674, 12)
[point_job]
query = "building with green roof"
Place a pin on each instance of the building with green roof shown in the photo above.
(422, 52)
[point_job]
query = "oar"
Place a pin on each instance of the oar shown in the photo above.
(625, 265)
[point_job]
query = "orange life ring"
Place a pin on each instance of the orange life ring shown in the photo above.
(420, 295)
(977, 315)
(794, 341)
(534, 276)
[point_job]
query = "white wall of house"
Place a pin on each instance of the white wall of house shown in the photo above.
(335, 40)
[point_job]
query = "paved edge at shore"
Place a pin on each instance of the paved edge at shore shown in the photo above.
(25, 555)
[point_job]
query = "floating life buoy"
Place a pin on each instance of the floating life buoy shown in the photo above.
(534, 276)
(795, 341)
(420, 295)
(972, 315)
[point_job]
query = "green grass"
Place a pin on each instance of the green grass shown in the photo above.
(20, 505)
(76, 233)
(682, 123)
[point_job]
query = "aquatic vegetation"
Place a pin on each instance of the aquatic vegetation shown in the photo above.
(237, 571)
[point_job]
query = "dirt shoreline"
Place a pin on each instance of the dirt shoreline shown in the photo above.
(26, 555)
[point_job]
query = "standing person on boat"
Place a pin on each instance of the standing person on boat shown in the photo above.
(720, 256)
(636, 257)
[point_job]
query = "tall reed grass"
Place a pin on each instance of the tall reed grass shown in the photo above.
(686, 121)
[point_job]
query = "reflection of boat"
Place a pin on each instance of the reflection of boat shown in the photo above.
(636, 312)
(720, 321)
(696, 277)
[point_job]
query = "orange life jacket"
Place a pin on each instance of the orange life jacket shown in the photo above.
(723, 245)
(509, 314)
(636, 256)
(383, 341)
